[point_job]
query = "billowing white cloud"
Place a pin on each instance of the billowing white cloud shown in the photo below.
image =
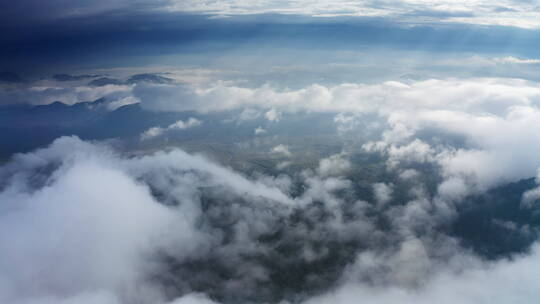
(96, 221)
(259, 130)
(179, 125)
(335, 164)
(485, 95)
(88, 229)
(508, 281)
(282, 149)
(383, 193)
(194, 298)
(477, 133)
(497, 147)
(493, 118)
(272, 115)
(515, 60)
(248, 114)
(81, 224)
(152, 132)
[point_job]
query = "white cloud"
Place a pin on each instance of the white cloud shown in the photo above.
(179, 125)
(507, 12)
(453, 188)
(284, 164)
(408, 174)
(514, 60)
(193, 298)
(86, 217)
(530, 197)
(494, 117)
(249, 114)
(97, 212)
(480, 95)
(282, 149)
(333, 165)
(152, 132)
(88, 229)
(383, 193)
(259, 130)
(506, 281)
(478, 132)
(273, 115)
(346, 122)
(115, 104)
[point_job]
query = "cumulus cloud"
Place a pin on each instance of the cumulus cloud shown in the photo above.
(383, 193)
(170, 226)
(282, 149)
(89, 227)
(495, 148)
(478, 96)
(248, 114)
(80, 222)
(284, 164)
(503, 282)
(468, 110)
(530, 197)
(346, 122)
(179, 125)
(259, 131)
(114, 229)
(335, 164)
(272, 115)
(152, 132)
(186, 229)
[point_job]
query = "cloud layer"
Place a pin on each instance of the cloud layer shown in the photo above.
(81, 223)
(508, 12)
(171, 226)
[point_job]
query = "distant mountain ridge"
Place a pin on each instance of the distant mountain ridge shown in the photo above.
(134, 79)
(25, 127)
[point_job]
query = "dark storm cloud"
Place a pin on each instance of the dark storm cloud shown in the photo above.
(64, 35)
(10, 77)
(67, 77)
(34, 11)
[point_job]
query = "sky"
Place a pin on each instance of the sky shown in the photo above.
(81, 35)
(269, 151)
